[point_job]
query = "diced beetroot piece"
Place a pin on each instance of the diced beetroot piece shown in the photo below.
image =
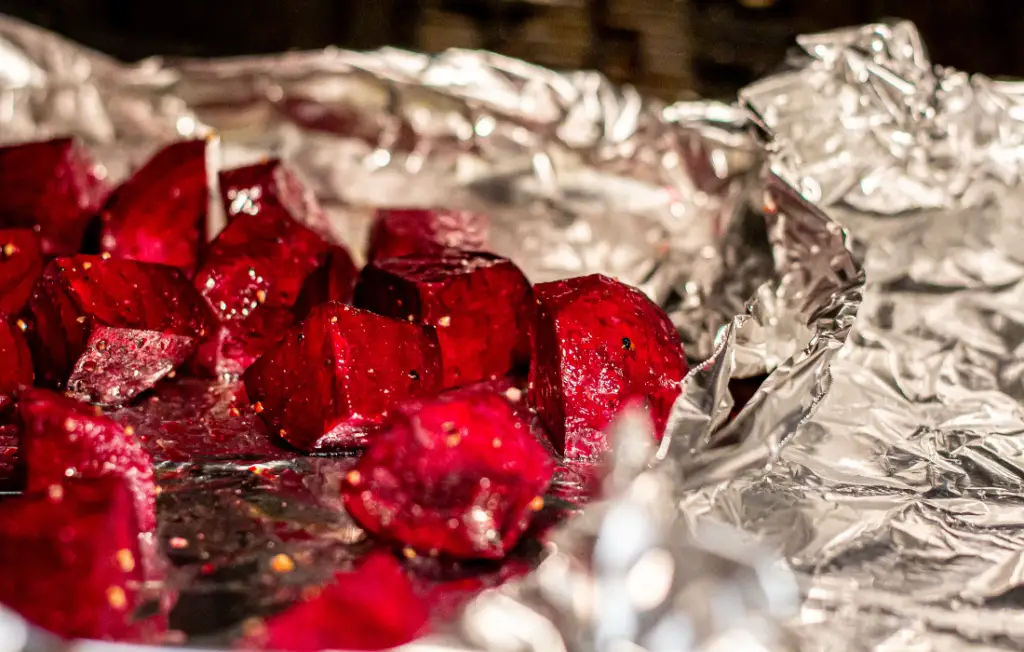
(159, 214)
(68, 559)
(270, 186)
(457, 476)
(334, 380)
(333, 281)
(403, 231)
(199, 421)
(11, 477)
(21, 263)
(107, 329)
(63, 438)
(255, 271)
(15, 363)
(52, 187)
(597, 345)
(373, 607)
(478, 302)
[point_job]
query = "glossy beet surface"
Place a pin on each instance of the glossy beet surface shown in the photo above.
(159, 214)
(334, 380)
(403, 231)
(69, 559)
(370, 608)
(479, 304)
(107, 329)
(270, 186)
(63, 438)
(15, 364)
(21, 263)
(459, 476)
(52, 187)
(265, 270)
(597, 345)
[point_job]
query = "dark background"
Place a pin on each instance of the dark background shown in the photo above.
(672, 48)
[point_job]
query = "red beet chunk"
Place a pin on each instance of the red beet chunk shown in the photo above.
(107, 329)
(69, 559)
(64, 438)
(403, 231)
(457, 476)
(52, 187)
(373, 607)
(335, 379)
(21, 263)
(159, 214)
(599, 344)
(10, 468)
(270, 186)
(256, 269)
(195, 421)
(333, 281)
(15, 363)
(478, 302)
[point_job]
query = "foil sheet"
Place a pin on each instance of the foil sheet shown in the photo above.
(898, 505)
(579, 176)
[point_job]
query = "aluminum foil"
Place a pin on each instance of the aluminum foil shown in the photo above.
(899, 504)
(579, 176)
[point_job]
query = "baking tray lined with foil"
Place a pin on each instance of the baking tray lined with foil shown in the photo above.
(579, 176)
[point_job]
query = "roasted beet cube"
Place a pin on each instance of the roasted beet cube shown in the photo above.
(69, 559)
(21, 263)
(478, 302)
(597, 345)
(403, 231)
(159, 214)
(107, 329)
(252, 278)
(63, 438)
(459, 476)
(335, 280)
(52, 187)
(373, 607)
(15, 363)
(270, 186)
(335, 379)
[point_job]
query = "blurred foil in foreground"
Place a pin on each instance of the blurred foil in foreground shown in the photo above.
(629, 574)
(865, 119)
(579, 177)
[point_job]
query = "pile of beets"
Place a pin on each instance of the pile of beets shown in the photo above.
(461, 384)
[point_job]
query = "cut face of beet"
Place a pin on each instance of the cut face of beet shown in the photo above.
(21, 263)
(69, 559)
(335, 281)
(107, 329)
(335, 379)
(403, 231)
(15, 364)
(455, 476)
(270, 186)
(478, 302)
(53, 188)
(11, 476)
(265, 266)
(597, 345)
(373, 607)
(159, 214)
(62, 438)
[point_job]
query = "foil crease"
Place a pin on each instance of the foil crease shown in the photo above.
(898, 504)
(579, 176)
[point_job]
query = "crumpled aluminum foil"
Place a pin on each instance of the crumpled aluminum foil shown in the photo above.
(579, 176)
(899, 504)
